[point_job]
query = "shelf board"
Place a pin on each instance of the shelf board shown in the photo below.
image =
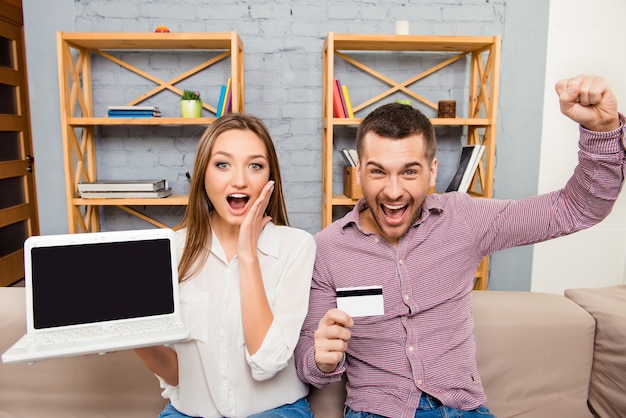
(411, 43)
(173, 200)
(343, 200)
(78, 121)
(434, 121)
(143, 40)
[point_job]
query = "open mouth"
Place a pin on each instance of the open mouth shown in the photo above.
(394, 213)
(237, 201)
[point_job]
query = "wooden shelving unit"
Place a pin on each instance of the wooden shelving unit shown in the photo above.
(75, 51)
(483, 54)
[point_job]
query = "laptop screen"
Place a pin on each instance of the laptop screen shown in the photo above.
(79, 284)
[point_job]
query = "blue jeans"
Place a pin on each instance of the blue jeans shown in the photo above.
(429, 407)
(298, 409)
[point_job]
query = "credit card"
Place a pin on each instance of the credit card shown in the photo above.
(361, 300)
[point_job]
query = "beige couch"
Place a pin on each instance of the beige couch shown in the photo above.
(535, 354)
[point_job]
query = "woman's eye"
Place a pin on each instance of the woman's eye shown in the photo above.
(221, 164)
(256, 166)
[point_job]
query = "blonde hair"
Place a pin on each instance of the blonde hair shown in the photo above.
(197, 214)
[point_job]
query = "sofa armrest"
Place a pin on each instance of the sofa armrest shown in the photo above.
(535, 352)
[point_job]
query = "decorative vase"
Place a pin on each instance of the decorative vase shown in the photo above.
(191, 108)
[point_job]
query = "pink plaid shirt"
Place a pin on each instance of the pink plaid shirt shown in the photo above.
(425, 341)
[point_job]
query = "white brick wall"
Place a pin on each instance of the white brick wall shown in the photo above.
(283, 60)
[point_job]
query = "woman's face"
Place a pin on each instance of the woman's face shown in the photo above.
(237, 171)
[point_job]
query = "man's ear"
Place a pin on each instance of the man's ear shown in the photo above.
(358, 172)
(433, 173)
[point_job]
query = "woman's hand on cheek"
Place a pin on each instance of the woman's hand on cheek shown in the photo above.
(254, 222)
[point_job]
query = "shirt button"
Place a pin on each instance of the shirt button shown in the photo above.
(400, 262)
(410, 348)
(405, 317)
(376, 240)
(407, 297)
(419, 381)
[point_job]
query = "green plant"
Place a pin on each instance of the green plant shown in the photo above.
(190, 95)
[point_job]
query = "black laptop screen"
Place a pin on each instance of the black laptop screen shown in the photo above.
(79, 284)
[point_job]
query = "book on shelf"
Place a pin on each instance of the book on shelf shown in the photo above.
(228, 107)
(347, 101)
(224, 93)
(337, 104)
(133, 111)
(220, 102)
(345, 153)
(154, 194)
(343, 100)
(122, 185)
(468, 164)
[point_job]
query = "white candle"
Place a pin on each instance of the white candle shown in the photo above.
(402, 27)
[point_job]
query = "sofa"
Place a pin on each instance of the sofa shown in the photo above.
(540, 355)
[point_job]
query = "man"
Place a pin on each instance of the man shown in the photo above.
(419, 357)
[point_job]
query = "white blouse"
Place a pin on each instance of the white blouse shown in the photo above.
(217, 375)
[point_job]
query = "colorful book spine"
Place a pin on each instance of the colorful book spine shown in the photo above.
(223, 110)
(348, 102)
(343, 101)
(220, 102)
(229, 98)
(337, 106)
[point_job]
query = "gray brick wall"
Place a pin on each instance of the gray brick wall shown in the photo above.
(283, 75)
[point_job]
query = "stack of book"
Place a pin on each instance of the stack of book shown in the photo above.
(342, 105)
(468, 164)
(224, 103)
(133, 111)
(133, 189)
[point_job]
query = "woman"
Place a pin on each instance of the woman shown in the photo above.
(244, 284)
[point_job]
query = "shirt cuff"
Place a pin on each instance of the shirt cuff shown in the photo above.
(319, 376)
(611, 142)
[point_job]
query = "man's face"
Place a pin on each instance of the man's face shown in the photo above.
(395, 176)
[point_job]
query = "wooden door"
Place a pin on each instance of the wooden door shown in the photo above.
(18, 206)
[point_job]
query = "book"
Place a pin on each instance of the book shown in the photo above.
(164, 192)
(348, 102)
(343, 100)
(133, 111)
(220, 102)
(223, 108)
(337, 106)
(345, 153)
(468, 163)
(353, 155)
(122, 185)
(134, 108)
(229, 97)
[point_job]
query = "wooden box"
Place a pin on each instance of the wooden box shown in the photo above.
(350, 186)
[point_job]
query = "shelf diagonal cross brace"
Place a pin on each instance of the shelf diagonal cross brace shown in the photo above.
(161, 84)
(403, 86)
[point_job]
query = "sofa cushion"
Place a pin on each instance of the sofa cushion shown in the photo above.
(607, 305)
(113, 385)
(534, 353)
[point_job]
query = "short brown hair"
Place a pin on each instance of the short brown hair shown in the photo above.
(395, 120)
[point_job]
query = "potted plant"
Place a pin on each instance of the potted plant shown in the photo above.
(190, 104)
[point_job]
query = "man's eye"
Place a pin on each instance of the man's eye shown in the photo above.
(411, 173)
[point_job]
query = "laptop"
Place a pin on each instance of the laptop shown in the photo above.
(99, 292)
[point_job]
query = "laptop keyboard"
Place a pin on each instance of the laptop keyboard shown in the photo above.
(98, 331)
